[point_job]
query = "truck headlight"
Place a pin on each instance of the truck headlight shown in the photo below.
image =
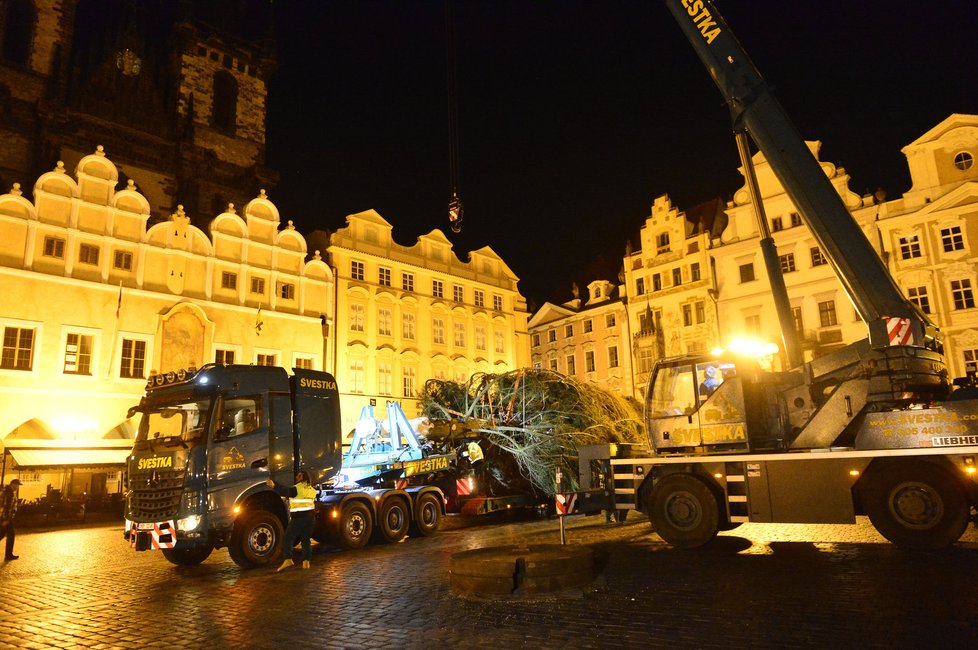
(188, 523)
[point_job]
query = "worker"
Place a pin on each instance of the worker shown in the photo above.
(302, 517)
(711, 383)
(8, 512)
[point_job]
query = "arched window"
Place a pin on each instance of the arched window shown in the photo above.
(18, 31)
(225, 102)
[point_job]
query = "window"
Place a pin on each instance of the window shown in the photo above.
(963, 296)
(407, 325)
(18, 348)
(356, 375)
(122, 260)
(407, 381)
(356, 270)
(787, 262)
(384, 277)
(500, 341)
(385, 320)
(569, 331)
(78, 355)
(286, 291)
(964, 161)
(588, 326)
(753, 324)
(826, 313)
(662, 243)
(460, 335)
(438, 331)
(229, 280)
(571, 364)
(224, 357)
(795, 219)
(952, 239)
(225, 106)
(553, 365)
(918, 296)
(437, 288)
(639, 286)
(971, 361)
(677, 277)
(480, 298)
(613, 356)
(746, 273)
(258, 286)
(241, 415)
(700, 308)
(909, 247)
(776, 224)
(407, 281)
(88, 254)
(357, 317)
(458, 293)
(536, 340)
(54, 247)
(817, 258)
(588, 361)
(304, 363)
(694, 272)
(480, 337)
(656, 282)
(797, 319)
(687, 315)
(265, 360)
(497, 303)
(385, 378)
(133, 361)
(609, 321)
(551, 336)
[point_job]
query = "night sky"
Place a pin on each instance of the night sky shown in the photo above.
(575, 115)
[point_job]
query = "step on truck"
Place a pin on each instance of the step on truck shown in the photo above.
(871, 428)
(208, 440)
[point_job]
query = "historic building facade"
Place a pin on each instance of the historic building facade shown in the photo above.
(405, 314)
(96, 300)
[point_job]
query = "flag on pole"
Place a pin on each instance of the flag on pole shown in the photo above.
(258, 321)
(118, 305)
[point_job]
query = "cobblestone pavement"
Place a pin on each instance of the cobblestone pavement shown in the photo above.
(759, 586)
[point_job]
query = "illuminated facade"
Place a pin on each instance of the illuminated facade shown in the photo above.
(405, 314)
(95, 301)
(589, 341)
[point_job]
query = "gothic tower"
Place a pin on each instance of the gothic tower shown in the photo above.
(175, 90)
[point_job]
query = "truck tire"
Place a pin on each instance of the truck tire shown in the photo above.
(187, 556)
(355, 526)
(427, 516)
(916, 505)
(392, 521)
(256, 539)
(684, 510)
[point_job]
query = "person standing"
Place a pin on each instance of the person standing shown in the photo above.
(8, 512)
(302, 517)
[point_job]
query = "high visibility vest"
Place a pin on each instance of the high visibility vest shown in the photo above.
(304, 499)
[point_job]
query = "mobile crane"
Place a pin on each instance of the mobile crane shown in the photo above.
(872, 428)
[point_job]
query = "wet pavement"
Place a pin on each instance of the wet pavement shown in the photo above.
(759, 586)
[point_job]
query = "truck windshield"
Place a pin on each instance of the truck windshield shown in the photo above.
(175, 423)
(673, 392)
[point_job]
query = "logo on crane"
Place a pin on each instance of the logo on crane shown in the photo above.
(703, 19)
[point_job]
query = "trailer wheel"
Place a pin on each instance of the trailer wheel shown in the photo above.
(355, 526)
(684, 511)
(427, 516)
(916, 505)
(187, 556)
(392, 521)
(256, 539)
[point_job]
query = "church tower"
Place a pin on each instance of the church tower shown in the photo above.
(174, 90)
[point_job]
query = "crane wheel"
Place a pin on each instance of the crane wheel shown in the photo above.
(916, 505)
(684, 510)
(392, 521)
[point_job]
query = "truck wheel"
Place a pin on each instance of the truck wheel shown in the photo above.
(256, 539)
(916, 505)
(392, 521)
(187, 556)
(684, 511)
(355, 526)
(427, 516)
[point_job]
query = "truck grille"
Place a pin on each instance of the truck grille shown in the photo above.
(155, 496)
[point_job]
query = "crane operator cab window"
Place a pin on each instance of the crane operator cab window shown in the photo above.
(673, 392)
(711, 376)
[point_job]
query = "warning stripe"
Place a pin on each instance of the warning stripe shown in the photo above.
(164, 535)
(462, 487)
(566, 504)
(899, 331)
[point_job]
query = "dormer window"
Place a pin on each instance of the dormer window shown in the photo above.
(662, 243)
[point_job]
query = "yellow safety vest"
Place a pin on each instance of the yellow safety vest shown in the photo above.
(304, 499)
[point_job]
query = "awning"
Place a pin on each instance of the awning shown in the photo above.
(38, 459)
